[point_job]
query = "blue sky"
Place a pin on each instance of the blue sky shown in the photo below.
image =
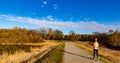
(81, 16)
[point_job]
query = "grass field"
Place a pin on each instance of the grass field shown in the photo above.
(54, 56)
(105, 54)
(21, 55)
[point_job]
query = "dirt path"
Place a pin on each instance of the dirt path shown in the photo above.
(73, 54)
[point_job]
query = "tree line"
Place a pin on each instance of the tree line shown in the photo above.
(110, 38)
(19, 35)
(22, 35)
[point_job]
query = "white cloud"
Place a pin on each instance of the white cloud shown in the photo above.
(51, 22)
(44, 2)
(50, 18)
(55, 6)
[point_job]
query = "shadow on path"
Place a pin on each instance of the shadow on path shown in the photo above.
(77, 55)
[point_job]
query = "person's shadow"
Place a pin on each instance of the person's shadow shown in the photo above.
(77, 55)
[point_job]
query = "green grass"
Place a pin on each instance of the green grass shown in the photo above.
(54, 56)
(104, 59)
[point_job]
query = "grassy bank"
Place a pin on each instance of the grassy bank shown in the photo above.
(17, 53)
(54, 56)
(105, 54)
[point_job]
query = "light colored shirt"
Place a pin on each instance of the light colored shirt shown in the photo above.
(96, 45)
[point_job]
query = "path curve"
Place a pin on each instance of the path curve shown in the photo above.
(73, 54)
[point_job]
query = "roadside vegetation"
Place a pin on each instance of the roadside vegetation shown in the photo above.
(105, 54)
(54, 56)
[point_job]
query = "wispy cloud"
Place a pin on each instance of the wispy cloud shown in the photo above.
(44, 3)
(55, 6)
(51, 22)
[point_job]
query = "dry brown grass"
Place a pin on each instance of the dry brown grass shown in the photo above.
(107, 53)
(20, 56)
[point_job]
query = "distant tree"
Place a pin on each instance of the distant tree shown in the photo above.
(115, 38)
(111, 31)
(66, 37)
(43, 33)
(77, 37)
(49, 33)
(72, 35)
(96, 33)
(58, 35)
